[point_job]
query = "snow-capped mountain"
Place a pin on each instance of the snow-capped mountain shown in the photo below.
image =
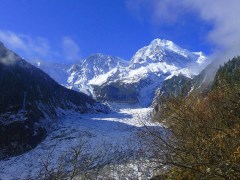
(148, 68)
(78, 76)
(109, 78)
(168, 52)
(93, 66)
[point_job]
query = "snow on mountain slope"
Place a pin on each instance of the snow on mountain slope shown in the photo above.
(149, 67)
(166, 51)
(109, 78)
(78, 76)
(160, 57)
(92, 67)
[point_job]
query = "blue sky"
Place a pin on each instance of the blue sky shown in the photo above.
(66, 30)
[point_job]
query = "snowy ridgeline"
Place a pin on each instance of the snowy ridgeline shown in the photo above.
(108, 143)
(107, 76)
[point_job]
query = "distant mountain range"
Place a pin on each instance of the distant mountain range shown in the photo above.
(110, 78)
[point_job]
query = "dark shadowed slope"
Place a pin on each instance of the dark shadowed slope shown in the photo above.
(23, 121)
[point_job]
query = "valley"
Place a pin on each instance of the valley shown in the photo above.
(119, 90)
(99, 118)
(106, 139)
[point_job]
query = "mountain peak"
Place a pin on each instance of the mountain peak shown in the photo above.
(92, 67)
(161, 42)
(100, 60)
(167, 45)
(100, 55)
(104, 58)
(160, 60)
(162, 50)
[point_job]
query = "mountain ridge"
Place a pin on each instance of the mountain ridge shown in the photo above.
(30, 102)
(100, 76)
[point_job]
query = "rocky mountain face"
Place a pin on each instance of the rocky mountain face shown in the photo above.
(95, 65)
(209, 78)
(109, 78)
(176, 86)
(148, 69)
(183, 86)
(78, 76)
(30, 101)
(168, 52)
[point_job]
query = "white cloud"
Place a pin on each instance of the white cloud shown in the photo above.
(223, 15)
(156, 11)
(39, 47)
(26, 45)
(9, 59)
(71, 49)
(12, 40)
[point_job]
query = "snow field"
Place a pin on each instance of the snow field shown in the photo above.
(104, 138)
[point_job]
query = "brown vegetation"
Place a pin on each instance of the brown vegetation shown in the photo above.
(204, 135)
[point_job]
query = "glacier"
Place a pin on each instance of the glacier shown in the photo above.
(114, 135)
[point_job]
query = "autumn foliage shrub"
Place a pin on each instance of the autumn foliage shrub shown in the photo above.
(204, 135)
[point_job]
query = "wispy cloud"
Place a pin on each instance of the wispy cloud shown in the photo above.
(156, 11)
(30, 47)
(39, 47)
(223, 15)
(9, 58)
(71, 49)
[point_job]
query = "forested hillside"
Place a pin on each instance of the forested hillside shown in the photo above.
(30, 101)
(204, 130)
